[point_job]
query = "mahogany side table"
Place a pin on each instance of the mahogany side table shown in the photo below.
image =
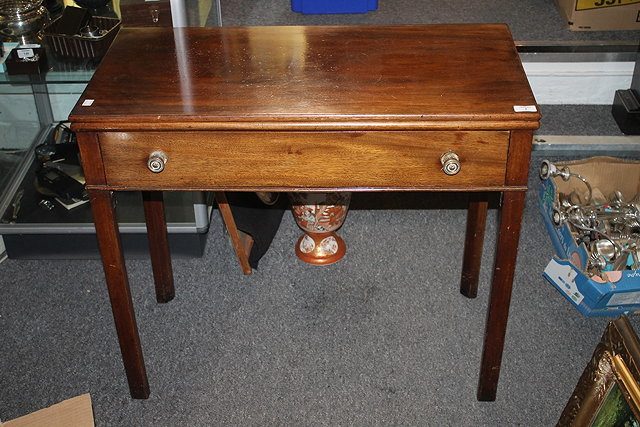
(397, 108)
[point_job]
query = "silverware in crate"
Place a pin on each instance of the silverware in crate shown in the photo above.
(608, 226)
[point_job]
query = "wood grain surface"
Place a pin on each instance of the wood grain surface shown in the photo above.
(305, 160)
(247, 77)
(309, 108)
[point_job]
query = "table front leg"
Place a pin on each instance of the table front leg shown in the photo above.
(474, 240)
(158, 245)
(500, 298)
(108, 235)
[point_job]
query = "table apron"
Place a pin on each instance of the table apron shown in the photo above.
(361, 161)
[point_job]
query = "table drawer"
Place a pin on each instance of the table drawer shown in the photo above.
(249, 160)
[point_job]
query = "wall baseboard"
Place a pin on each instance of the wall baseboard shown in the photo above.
(578, 83)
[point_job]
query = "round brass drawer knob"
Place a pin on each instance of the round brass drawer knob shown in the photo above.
(156, 161)
(450, 163)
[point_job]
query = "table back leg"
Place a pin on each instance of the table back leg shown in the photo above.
(474, 240)
(102, 206)
(241, 242)
(153, 203)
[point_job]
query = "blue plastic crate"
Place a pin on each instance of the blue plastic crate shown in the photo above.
(333, 6)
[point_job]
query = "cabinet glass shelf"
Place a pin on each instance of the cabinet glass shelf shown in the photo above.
(30, 107)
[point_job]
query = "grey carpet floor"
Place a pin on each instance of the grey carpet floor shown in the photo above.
(530, 20)
(577, 120)
(381, 338)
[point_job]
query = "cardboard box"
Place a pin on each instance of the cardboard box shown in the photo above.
(617, 292)
(76, 412)
(600, 15)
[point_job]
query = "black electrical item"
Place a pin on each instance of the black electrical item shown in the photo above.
(61, 185)
(626, 104)
(72, 19)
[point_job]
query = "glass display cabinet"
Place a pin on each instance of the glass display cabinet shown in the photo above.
(34, 224)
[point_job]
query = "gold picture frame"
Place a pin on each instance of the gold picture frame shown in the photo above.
(608, 392)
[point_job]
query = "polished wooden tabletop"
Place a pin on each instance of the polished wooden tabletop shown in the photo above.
(247, 77)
